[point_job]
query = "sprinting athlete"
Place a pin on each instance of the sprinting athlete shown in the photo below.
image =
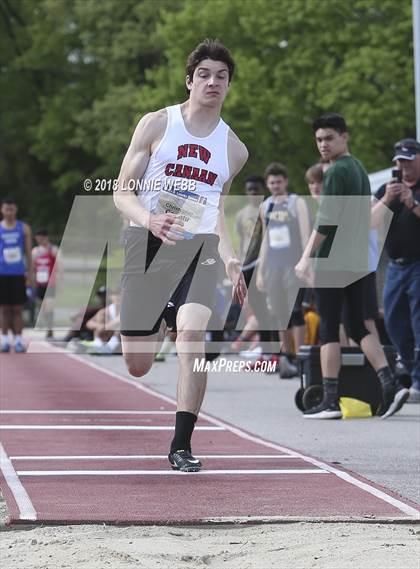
(15, 273)
(177, 239)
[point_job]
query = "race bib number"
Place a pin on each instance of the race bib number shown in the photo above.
(279, 237)
(12, 255)
(188, 206)
(42, 275)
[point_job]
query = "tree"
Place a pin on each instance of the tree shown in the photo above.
(298, 59)
(77, 75)
(71, 71)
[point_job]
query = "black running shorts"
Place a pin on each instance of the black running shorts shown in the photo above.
(12, 290)
(45, 292)
(369, 301)
(155, 274)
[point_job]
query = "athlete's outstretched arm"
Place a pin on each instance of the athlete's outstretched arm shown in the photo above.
(147, 135)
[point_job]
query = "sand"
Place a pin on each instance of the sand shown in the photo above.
(297, 545)
(300, 545)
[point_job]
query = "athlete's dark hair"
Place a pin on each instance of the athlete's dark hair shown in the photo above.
(276, 169)
(42, 231)
(255, 179)
(330, 120)
(8, 201)
(210, 49)
(314, 172)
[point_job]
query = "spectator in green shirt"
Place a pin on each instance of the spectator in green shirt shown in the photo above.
(345, 179)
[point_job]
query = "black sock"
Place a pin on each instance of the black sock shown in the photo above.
(265, 339)
(184, 426)
(265, 336)
(386, 377)
(330, 385)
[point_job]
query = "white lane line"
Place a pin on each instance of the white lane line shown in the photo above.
(26, 509)
(103, 427)
(161, 472)
(147, 457)
(410, 511)
(80, 412)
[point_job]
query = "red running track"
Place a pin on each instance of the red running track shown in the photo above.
(81, 444)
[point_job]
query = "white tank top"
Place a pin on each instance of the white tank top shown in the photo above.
(200, 162)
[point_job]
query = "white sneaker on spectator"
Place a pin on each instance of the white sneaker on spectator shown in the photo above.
(251, 354)
(19, 347)
(97, 350)
(114, 345)
(414, 395)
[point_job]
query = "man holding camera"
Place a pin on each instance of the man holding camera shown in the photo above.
(402, 287)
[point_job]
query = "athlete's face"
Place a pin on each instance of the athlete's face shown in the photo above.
(254, 191)
(315, 188)
(41, 240)
(331, 144)
(210, 83)
(9, 211)
(277, 185)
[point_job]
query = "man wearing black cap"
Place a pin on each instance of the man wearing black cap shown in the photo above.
(402, 286)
